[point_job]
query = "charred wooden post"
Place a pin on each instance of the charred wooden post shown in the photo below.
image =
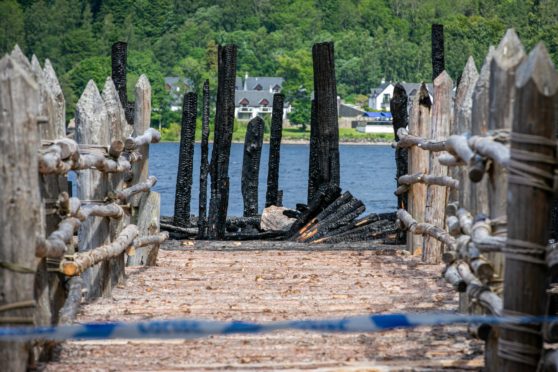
(19, 195)
(313, 154)
(327, 126)
(251, 165)
(398, 108)
(437, 197)
(531, 187)
(438, 60)
(184, 177)
(204, 165)
(224, 121)
(419, 125)
(479, 126)
(119, 58)
(273, 195)
(325, 195)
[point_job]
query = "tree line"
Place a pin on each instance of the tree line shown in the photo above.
(374, 39)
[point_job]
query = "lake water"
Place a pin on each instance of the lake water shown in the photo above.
(367, 171)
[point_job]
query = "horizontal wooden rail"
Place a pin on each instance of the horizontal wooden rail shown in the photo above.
(427, 179)
(78, 263)
(149, 136)
(409, 223)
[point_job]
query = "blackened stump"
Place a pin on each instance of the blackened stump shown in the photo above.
(204, 166)
(313, 158)
(326, 123)
(224, 121)
(273, 195)
(251, 165)
(119, 56)
(185, 161)
(438, 61)
(398, 108)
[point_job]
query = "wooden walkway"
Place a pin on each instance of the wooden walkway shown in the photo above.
(264, 285)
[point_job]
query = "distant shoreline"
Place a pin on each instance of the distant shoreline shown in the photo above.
(305, 142)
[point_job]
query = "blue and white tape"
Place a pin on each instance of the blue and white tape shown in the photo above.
(184, 328)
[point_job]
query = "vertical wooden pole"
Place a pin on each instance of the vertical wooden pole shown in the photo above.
(20, 200)
(327, 126)
(479, 126)
(92, 128)
(530, 189)
(437, 196)
(313, 154)
(145, 206)
(273, 195)
(462, 125)
(119, 57)
(49, 289)
(204, 166)
(398, 108)
(251, 165)
(438, 59)
(419, 160)
(507, 57)
(184, 177)
(224, 122)
(118, 131)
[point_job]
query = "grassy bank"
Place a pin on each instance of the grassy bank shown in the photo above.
(172, 134)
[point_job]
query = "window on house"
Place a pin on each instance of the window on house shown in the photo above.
(258, 87)
(264, 102)
(244, 102)
(386, 98)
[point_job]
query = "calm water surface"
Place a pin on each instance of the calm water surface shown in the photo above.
(367, 171)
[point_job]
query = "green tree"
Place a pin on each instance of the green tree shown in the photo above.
(11, 26)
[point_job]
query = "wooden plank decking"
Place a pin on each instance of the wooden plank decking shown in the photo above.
(259, 285)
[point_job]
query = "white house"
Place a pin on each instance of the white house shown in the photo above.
(379, 98)
(254, 97)
(176, 87)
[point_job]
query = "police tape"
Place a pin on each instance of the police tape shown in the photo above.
(185, 328)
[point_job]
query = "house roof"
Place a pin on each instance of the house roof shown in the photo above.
(254, 97)
(377, 91)
(264, 81)
(412, 88)
(172, 81)
(349, 111)
(238, 83)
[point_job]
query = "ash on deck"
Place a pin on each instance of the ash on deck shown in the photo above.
(263, 285)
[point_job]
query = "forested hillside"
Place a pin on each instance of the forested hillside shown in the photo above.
(374, 39)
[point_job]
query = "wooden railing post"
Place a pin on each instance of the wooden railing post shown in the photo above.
(92, 128)
(118, 131)
(20, 201)
(530, 192)
(479, 126)
(145, 206)
(419, 125)
(251, 165)
(437, 196)
(462, 126)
